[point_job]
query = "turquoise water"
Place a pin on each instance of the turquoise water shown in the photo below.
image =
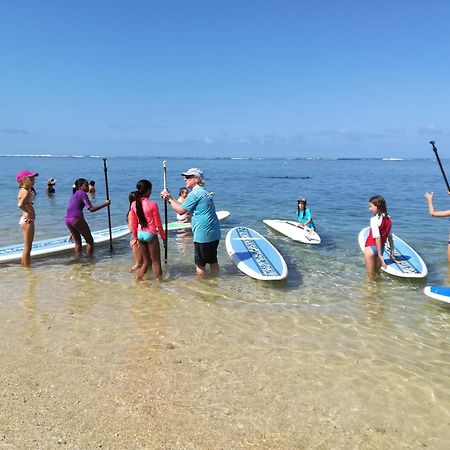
(381, 347)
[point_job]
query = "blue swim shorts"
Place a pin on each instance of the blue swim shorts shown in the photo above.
(145, 236)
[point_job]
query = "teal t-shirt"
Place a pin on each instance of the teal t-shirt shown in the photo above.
(205, 224)
(304, 216)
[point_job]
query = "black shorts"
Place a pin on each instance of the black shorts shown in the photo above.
(205, 253)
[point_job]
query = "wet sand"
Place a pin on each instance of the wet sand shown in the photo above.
(181, 365)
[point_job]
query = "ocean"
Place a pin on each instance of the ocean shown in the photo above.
(324, 359)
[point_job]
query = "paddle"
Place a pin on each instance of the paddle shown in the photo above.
(165, 212)
(109, 208)
(440, 164)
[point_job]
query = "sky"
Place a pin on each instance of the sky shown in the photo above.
(229, 78)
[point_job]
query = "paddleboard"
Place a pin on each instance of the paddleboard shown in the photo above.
(174, 226)
(254, 255)
(441, 293)
(59, 244)
(409, 265)
(291, 229)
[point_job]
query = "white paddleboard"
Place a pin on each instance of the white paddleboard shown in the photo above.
(441, 293)
(173, 226)
(409, 265)
(254, 255)
(291, 229)
(59, 244)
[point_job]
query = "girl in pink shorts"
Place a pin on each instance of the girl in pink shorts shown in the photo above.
(25, 178)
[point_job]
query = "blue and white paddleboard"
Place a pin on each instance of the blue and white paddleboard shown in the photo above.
(59, 244)
(409, 265)
(254, 255)
(441, 293)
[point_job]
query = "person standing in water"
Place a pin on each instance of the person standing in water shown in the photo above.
(51, 186)
(75, 220)
(379, 233)
(182, 195)
(25, 179)
(91, 190)
(205, 224)
(145, 224)
(134, 243)
(434, 213)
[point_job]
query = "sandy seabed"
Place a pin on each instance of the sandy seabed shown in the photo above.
(109, 366)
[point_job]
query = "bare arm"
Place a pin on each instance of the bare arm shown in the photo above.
(431, 210)
(97, 207)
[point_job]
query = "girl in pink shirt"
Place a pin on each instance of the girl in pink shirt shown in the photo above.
(145, 224)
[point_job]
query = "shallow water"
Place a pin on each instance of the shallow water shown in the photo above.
(324, 359)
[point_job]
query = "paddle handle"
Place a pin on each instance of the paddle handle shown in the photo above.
(440, 164)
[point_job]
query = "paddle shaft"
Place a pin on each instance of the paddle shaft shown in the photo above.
(440, 164)
(109, 208)
(165, 212)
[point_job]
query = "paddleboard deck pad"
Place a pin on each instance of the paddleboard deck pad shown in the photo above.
(441, 293)
(409, 265)
(59, 244)
(254, 255)
(174, 226)
(291, 229)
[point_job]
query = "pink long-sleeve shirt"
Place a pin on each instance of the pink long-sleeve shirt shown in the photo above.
(151, 213)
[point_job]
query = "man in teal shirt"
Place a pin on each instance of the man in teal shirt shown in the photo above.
(205, 224)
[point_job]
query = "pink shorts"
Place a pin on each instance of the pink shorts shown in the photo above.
(23, 221)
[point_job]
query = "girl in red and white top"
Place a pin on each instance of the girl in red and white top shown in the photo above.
(145, 224)
(379, 233)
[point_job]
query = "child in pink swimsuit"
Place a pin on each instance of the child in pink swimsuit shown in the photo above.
(25, 178)
(145, 224)
(134, 243)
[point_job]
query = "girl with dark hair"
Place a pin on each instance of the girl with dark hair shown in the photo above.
(304, 214)
(134, 243)
(145, 224)
(75, 221)
(379, 233)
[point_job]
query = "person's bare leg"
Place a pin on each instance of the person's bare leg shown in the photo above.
(215, 268)
(81, 226)
(371, 263)
(145, 259)
(155, 254)
(28, 236)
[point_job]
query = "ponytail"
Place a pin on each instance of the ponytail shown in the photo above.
(142, 186)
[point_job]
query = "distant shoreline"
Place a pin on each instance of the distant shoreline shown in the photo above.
(229, 158)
